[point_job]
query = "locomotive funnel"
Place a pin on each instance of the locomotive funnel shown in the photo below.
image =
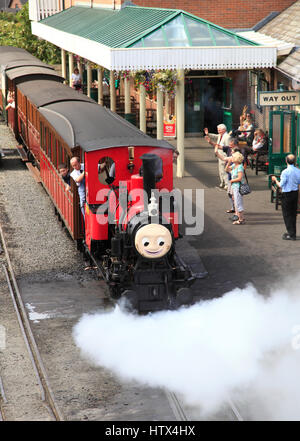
(151, 172)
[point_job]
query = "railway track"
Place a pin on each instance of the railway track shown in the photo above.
(46, 394)
(181, 412)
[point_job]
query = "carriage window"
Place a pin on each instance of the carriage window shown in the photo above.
(42, 136)
(59, 153)
(55, 153)
(106, 170)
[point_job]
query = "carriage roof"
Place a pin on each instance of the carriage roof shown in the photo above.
(94, 127)
(13, 57)
(27, 71)
(41, 92)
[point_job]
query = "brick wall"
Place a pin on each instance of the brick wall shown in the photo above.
(226, 13)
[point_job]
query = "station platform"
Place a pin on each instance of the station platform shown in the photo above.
(235, 255)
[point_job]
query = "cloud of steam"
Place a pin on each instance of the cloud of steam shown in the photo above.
(242, 345)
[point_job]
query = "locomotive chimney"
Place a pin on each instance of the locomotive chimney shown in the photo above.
(149, 166)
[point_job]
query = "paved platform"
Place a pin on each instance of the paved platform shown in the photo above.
(235, 255)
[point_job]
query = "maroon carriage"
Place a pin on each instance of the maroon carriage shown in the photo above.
(17, 67)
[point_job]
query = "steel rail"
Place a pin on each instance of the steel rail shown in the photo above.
(3, 399)
(176, 406)
(38, 365)
(180, 414)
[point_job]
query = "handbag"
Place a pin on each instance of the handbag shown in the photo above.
(245, 188)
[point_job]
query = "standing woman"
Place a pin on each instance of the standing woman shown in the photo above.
(237, 177)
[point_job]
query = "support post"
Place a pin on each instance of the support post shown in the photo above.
(180, 122)
(89, 78)
(100, 85)
(167, 104)
(160, 113)
(63, 64)
(71, 68)
(80, 68)
(143, 127)
(112, 91)
(127, 96)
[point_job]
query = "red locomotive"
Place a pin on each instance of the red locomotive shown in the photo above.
(130, 217)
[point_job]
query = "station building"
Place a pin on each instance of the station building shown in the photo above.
(213, 65)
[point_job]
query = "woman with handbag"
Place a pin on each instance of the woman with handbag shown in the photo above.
(237, 178)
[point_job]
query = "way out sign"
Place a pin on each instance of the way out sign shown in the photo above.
(286, 98)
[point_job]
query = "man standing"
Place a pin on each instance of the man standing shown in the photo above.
(78, 176)
(289, 184)
(222, 141)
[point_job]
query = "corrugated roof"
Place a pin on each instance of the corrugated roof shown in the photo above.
(108, 27)
(122, 28)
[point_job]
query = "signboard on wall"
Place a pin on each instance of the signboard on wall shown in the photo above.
(285, 98)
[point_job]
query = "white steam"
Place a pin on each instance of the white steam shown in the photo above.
(241, 345)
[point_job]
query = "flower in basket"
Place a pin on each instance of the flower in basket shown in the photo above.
(165, 81)
(144, 78)
(125, 74)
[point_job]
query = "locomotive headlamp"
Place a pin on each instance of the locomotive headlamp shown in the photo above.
(153, 241)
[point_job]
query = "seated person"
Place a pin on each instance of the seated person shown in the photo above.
(76, 79)
(65, 174)
(259, 140)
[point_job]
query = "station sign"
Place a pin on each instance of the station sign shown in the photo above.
(285, 98)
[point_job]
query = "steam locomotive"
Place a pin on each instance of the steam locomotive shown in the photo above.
(130, 223)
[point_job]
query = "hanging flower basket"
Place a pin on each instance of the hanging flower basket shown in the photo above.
(143, 77)
(165, 81)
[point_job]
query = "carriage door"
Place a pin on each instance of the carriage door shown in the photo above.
(227, 103)
(281, 139)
